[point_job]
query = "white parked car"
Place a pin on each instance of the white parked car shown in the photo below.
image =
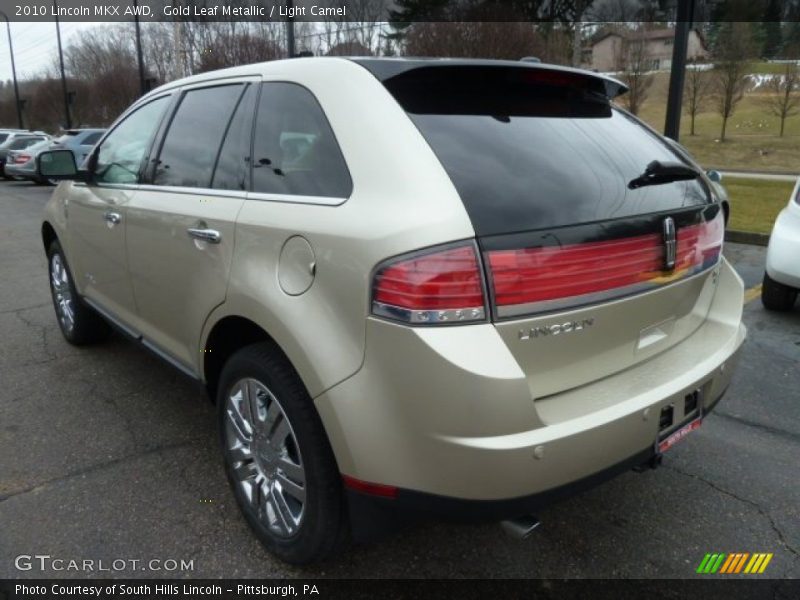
(782, 278)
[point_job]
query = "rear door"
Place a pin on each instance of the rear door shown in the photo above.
(587, 273)
(180, 234)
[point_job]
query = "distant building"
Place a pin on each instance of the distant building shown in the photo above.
(611, 50)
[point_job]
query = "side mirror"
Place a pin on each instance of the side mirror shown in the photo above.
(58, 164)
(714, 176)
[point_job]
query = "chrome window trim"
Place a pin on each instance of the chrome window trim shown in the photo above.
(297, 199)
(111, 186)
(193, 191)
(219, 193)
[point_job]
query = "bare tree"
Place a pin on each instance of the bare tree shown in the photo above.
(635, 72)
(783, 100)
(695, 91)
(481, 39)
(734, 49)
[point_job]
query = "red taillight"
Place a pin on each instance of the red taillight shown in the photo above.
(21, 158)
(373, 489)
(556, 277)
(440, 286)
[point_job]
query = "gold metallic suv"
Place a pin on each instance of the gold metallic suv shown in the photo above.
(411, 286)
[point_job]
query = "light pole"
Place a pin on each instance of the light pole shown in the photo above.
(13, 70)
(290, 47)
(683, 27)
(63, 74)
(142, 86)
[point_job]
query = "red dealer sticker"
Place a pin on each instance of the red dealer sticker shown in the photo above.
(678, 435)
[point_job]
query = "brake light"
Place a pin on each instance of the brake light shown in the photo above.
(440, 286)
(21, 158)
(555, 277)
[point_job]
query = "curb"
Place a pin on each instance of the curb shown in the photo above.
(746, 237)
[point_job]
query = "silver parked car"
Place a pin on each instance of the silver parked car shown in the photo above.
(18, 143)
(22, 163)
(79, 141)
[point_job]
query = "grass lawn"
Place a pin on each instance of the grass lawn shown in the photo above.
(752, 141)
(755, 203)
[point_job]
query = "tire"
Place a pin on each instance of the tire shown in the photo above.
(79, 323)
(277, 457)
(776, 296)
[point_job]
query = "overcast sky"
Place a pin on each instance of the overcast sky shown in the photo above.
(34, 46)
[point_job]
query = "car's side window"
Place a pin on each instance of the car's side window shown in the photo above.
(91, 139)
(193, 139)
(119, 157)
(295, 151)
(232, 169)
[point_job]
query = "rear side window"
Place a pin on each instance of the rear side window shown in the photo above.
(91, 139)
(530, 149)
(232, 170)
(3, 137)
(193, 139)
(23, 143)
(295, 151)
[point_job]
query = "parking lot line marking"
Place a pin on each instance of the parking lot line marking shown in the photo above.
(752, 293)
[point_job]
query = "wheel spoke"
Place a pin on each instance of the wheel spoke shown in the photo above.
(250, 390)
(278, 437)
(292, 470)
(285, 519)
(239, 415)
(273, 413)
(290, 487)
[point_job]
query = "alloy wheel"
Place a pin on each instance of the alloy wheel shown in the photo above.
(62, 292)
(264, 456)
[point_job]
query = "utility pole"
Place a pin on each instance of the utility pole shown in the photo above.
(142, 85)
(63, 74)
(672, 124)
(290, 48)
(13, 71)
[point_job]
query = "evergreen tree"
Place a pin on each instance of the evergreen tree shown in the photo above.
(772, 43)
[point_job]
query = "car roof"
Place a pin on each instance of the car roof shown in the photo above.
(385, 68)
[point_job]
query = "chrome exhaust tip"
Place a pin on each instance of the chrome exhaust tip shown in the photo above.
(521, 527)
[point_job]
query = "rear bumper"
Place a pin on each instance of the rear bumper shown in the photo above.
(446, 415)
(784, 248)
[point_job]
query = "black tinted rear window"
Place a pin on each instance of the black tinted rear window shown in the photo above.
(529, 150)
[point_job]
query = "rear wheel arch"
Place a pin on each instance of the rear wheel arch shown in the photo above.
(227, 336)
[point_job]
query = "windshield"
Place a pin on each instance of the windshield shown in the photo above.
(526, 154)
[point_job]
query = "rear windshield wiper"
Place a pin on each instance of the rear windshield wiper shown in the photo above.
(658, 172)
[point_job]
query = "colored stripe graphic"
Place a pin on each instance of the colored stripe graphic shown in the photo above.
(740, 564)
(727, 564)
(703, 563)
(735, 562)
(717, 564)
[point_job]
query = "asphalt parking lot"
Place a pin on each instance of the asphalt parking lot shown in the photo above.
(106, 453)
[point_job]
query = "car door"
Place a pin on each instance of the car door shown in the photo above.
(181, 222)
(96, 212)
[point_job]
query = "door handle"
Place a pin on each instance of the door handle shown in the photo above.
(112, 218)
(212, 236)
